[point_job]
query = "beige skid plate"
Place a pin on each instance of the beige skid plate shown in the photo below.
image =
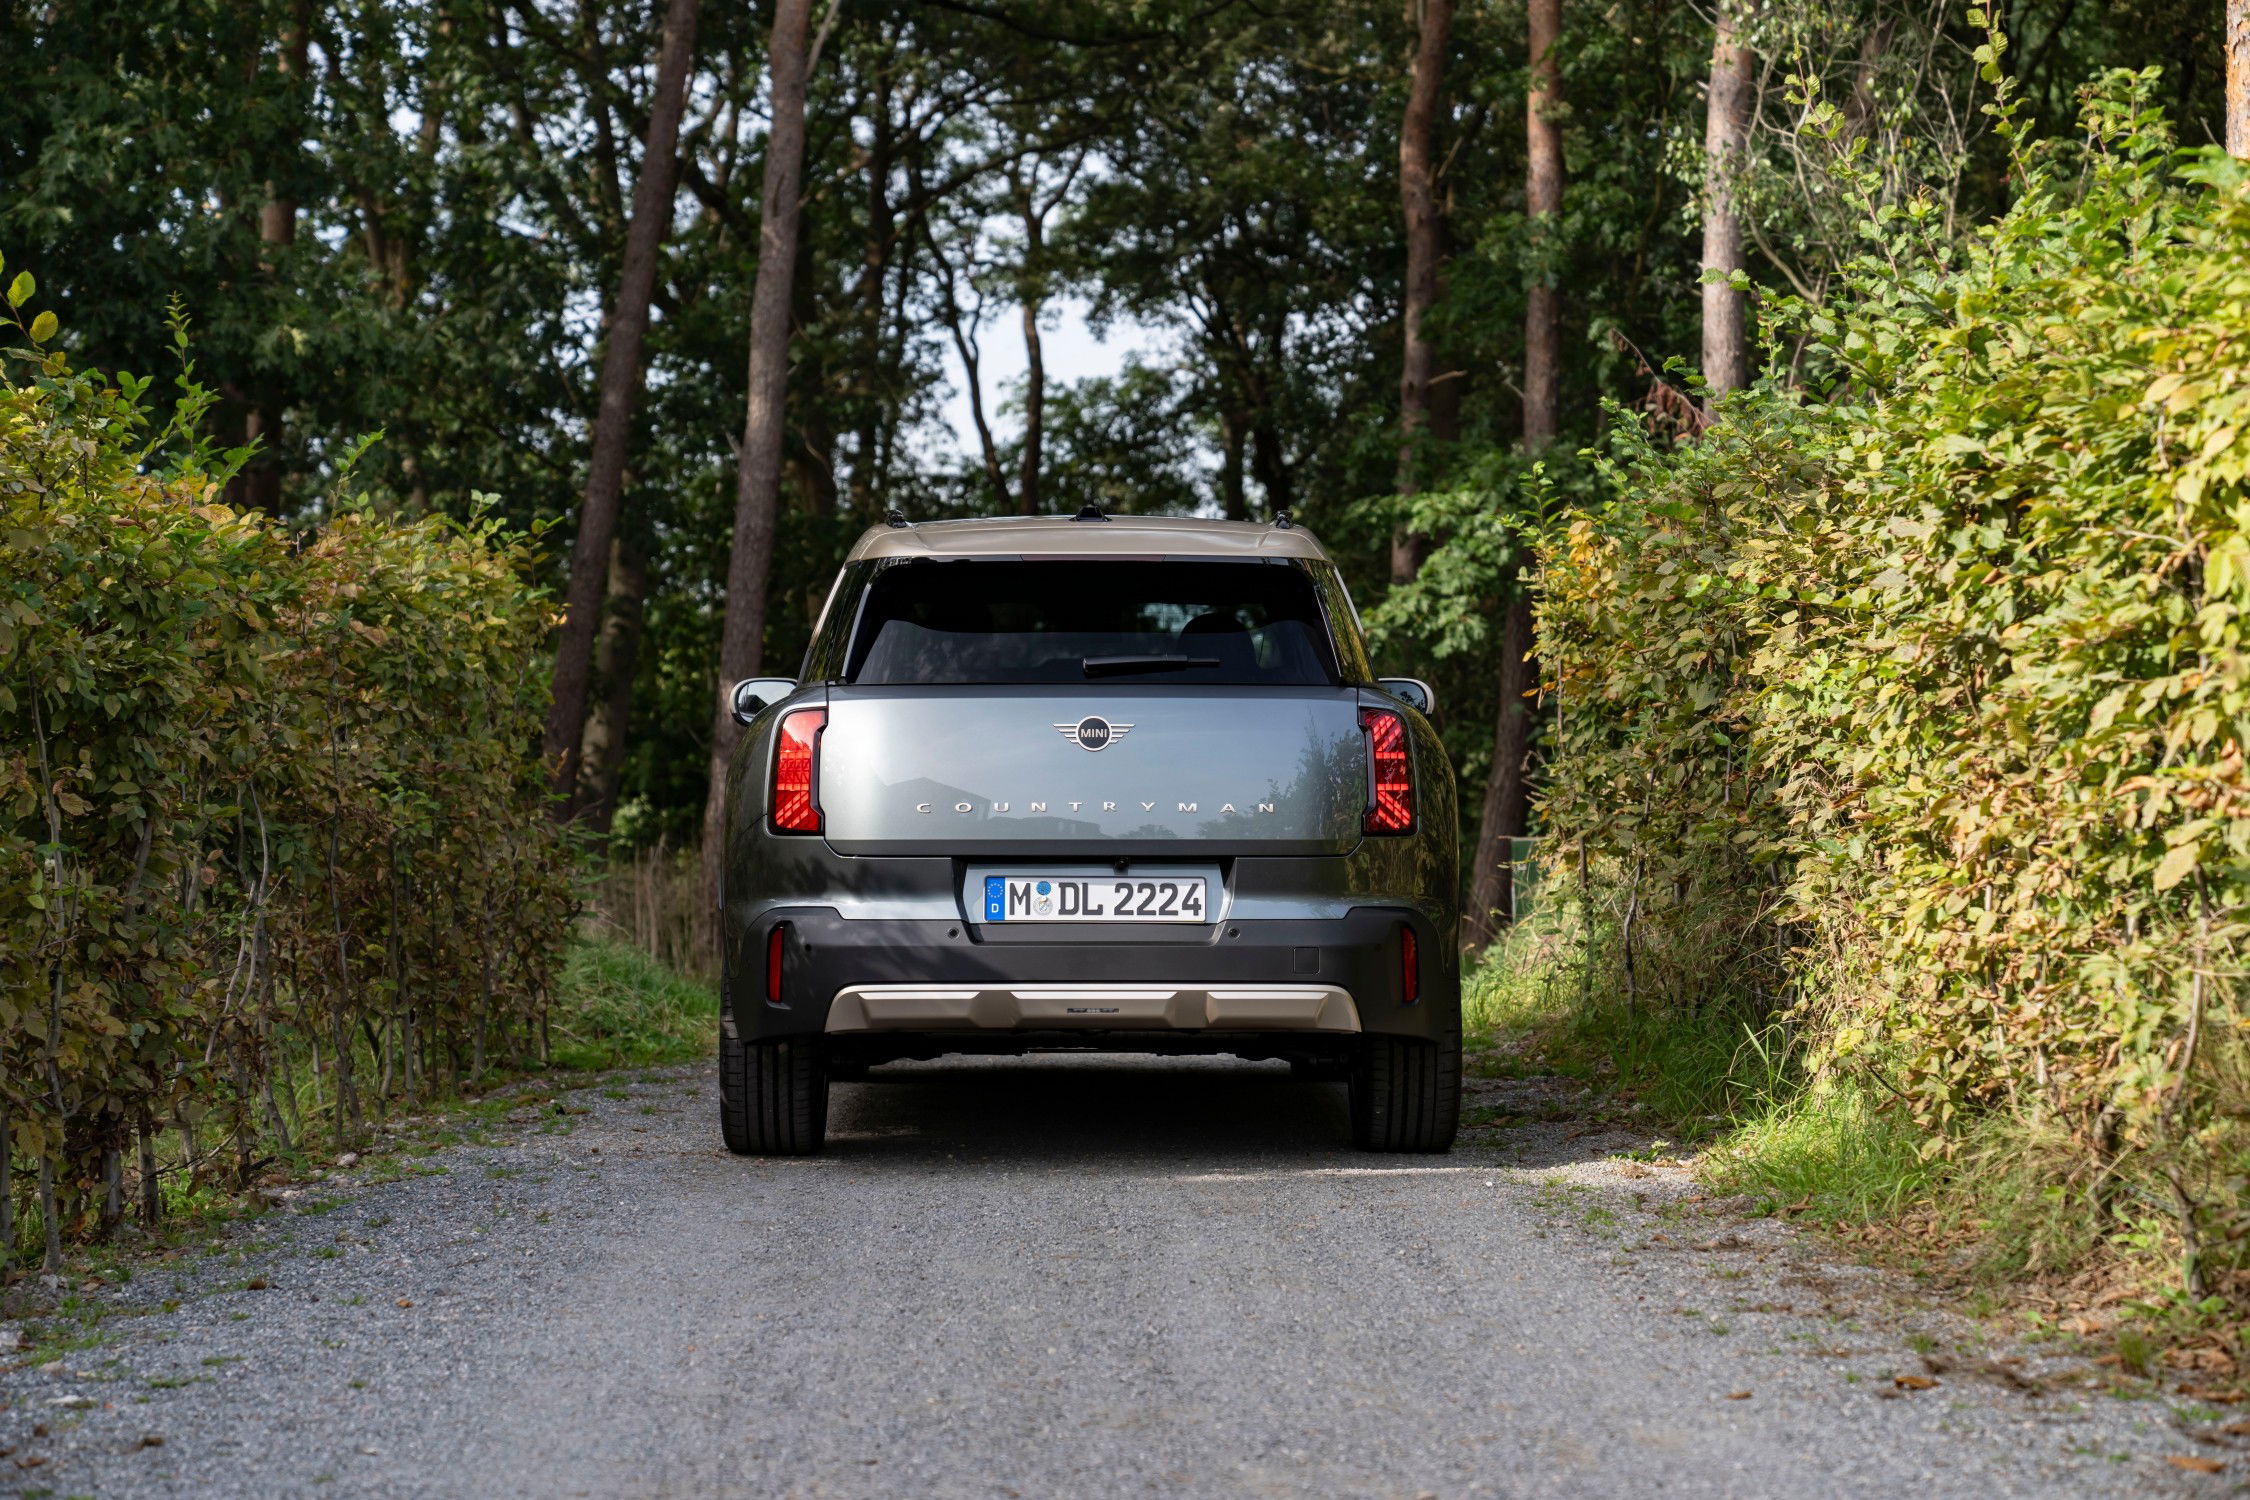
(1052, 1007)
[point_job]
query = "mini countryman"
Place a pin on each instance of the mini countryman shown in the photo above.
(1092, 782)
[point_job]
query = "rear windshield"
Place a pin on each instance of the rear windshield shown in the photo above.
(1051, 621)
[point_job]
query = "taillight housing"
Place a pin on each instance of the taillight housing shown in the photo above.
(796, 767)
(1391, 807)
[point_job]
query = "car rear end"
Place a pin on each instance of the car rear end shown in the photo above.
(1122, 784)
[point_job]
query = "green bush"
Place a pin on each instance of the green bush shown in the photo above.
(271, 812)
(1916, 714)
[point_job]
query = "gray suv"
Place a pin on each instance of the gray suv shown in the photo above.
(1118, 783)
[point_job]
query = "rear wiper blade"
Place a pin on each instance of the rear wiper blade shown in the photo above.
(1119, 666)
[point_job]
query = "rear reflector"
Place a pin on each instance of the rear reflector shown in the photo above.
(774, 942)
(795, 765)
(1392, 810)
(1409, 967)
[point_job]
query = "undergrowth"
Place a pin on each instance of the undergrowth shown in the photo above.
(613, 1007)
(2001, 1218)
(621, 1008)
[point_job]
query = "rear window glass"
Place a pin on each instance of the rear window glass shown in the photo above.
(1061, 622)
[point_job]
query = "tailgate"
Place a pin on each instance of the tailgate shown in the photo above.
(1058, 771)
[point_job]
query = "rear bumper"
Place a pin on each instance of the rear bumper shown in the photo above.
(1094, 985)
(1092, 1007)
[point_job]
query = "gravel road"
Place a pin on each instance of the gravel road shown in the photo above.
(1054, 1278)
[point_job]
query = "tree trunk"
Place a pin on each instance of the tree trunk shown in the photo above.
(1417, 185)
(2238, 78)
(1507, 801)
(1269, 465)
(1507, 788)
(1726, 131)
(758, 471)
(1035, 368)
(620, 392)
(258, 486)
(1542, 352)
(616, 657)
(1234, 501)
(874, 277)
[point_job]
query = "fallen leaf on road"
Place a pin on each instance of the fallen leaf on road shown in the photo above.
(406, 1301)
(2197, 1465)
(1913, 1382)
(2236, 1429)
(257, 1284)
(2208, 1393)
(1738, 1395)
(32, 1462)
(152, 1441)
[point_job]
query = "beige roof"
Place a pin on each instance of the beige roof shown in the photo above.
(1061, 536)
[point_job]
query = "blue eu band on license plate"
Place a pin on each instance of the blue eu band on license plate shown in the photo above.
(1040, 898)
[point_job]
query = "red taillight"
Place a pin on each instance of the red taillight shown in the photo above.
(796, 760)
(774, 941)
(1409, 968)
(1392, 810)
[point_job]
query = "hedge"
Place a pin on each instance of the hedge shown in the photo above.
(1914, 711)
(274, 850)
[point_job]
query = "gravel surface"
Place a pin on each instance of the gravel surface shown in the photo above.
(1049, 1278)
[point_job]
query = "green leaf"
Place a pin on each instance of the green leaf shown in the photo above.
(23, 289)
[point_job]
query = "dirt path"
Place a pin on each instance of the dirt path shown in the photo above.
(1056, 1278)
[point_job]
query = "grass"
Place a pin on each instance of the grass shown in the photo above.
(1705, 1069)
(2011, 1201)
(619, 1008)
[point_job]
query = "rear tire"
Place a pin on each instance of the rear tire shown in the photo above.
(1406, 1094)
(773, 1096)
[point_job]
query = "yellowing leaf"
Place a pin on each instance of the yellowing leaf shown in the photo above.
(2178, 865)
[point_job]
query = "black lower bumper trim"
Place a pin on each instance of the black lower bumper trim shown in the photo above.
(1360, 952)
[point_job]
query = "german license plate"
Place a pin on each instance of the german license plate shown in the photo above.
(1048, 898)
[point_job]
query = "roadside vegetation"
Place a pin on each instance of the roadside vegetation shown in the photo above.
(278, 864)
(1897, 808)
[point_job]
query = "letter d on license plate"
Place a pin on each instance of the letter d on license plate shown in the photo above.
(1049, 898)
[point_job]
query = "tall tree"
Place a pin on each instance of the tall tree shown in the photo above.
(1543, 182)
(609, 714)
(2238, 78)
(758, 470)
(619, 394)
(1417, 186)
(258, 485)
(1726, 131)
(1507, 790)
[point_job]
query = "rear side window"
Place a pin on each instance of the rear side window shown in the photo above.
(1070, 621)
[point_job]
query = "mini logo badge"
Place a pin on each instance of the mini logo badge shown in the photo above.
(1093, 732)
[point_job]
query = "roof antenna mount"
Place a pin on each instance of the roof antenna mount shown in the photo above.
(895, 518)
(1281, 521)
(1090, 511)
